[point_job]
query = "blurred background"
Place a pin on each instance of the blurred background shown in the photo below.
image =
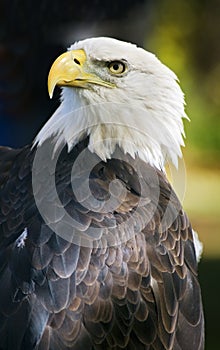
(184, 34)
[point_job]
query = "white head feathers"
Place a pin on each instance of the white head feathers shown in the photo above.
(142, 113)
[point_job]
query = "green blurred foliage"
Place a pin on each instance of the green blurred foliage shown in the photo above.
(186, 37)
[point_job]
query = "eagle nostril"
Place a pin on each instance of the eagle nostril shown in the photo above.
(76, 61)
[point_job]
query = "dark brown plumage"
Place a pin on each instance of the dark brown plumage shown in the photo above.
(139, 292)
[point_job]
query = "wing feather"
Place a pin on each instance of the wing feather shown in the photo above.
(139, 292)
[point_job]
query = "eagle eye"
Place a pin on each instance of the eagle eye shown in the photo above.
(117, 67)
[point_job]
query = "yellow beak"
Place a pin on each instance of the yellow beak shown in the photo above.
(69, 70)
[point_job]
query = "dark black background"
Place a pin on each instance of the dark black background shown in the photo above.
(33, 34)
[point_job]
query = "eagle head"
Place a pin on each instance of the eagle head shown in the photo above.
(118, 94)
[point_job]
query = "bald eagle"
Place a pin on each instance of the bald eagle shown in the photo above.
(96, 251)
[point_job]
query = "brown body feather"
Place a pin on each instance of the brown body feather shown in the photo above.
(138, 291)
